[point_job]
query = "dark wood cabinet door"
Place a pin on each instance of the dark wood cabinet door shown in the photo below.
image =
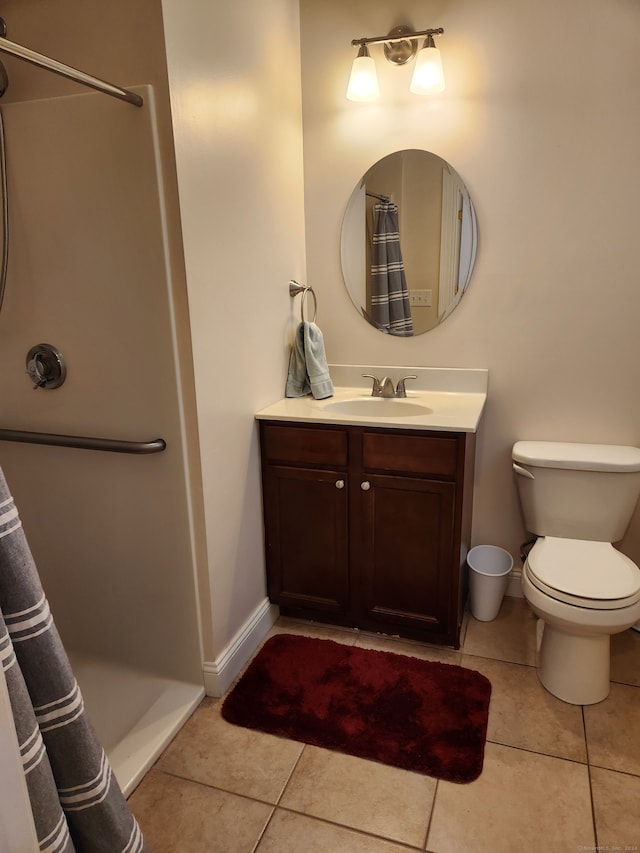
(306, 533)
(402, 550)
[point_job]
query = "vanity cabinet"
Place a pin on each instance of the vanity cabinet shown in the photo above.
(368, 527)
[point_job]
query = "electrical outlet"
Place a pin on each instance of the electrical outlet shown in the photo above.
(421, 298)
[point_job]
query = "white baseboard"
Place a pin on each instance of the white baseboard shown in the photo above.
(220, 674)
(514, 587)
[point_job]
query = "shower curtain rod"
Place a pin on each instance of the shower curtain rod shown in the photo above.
(42, 61)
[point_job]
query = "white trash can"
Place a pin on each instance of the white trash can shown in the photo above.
(489, 568)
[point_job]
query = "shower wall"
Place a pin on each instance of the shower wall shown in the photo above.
(111, 533)
(97, 269)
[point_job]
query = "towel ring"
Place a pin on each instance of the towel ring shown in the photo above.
(304, 289)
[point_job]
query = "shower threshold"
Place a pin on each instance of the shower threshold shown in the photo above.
(135, 714)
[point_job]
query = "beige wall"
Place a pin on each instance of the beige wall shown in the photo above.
(546, 142)
(420, 224)
(235, 94)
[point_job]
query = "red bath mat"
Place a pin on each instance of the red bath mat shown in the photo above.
(418, 715)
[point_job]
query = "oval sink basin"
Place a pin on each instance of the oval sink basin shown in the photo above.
(379, 407)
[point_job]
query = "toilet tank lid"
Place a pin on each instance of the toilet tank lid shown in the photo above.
(585, 457)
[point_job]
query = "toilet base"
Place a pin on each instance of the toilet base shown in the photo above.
(573, 668)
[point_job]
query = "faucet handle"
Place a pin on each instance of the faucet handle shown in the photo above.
(401, 391)
(376, 391)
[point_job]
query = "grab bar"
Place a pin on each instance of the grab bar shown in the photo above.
(112, 445)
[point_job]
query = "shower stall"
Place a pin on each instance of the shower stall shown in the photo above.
(108, 509)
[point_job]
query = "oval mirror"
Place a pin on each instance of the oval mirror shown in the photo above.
(408, 244)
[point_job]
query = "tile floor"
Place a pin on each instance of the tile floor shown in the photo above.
(556, 777)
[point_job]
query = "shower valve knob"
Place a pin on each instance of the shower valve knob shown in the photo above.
(46, 367)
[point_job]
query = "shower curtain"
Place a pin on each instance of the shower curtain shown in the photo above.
(76, 801)
(390, 309)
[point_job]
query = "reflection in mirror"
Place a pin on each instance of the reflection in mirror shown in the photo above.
(408, 244)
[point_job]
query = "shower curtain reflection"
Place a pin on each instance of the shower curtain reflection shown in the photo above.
(390, 308)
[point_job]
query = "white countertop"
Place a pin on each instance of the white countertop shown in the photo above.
(453, 397)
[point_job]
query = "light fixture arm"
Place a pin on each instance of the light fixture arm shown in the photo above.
(405, 36)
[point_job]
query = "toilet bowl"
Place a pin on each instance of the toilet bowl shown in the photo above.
(578, 499)
(583, 592)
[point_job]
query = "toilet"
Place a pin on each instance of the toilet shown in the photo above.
(578, 499)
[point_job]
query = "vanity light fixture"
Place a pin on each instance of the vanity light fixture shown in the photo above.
(428, 76)
(400, 46)
(363, 82)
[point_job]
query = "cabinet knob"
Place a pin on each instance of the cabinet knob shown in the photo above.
(339, 484)
(365, 486)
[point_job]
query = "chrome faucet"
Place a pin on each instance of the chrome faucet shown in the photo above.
(387, 388)
(384, 387)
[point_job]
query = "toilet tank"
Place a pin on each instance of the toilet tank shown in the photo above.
(577, 491)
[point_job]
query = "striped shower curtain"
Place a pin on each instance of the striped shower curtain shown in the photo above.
(76, 801)
(390, 309)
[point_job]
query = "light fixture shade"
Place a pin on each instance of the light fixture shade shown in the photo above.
(363, 82)
(428, 76)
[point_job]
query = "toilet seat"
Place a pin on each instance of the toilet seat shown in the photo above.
(584, 573)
